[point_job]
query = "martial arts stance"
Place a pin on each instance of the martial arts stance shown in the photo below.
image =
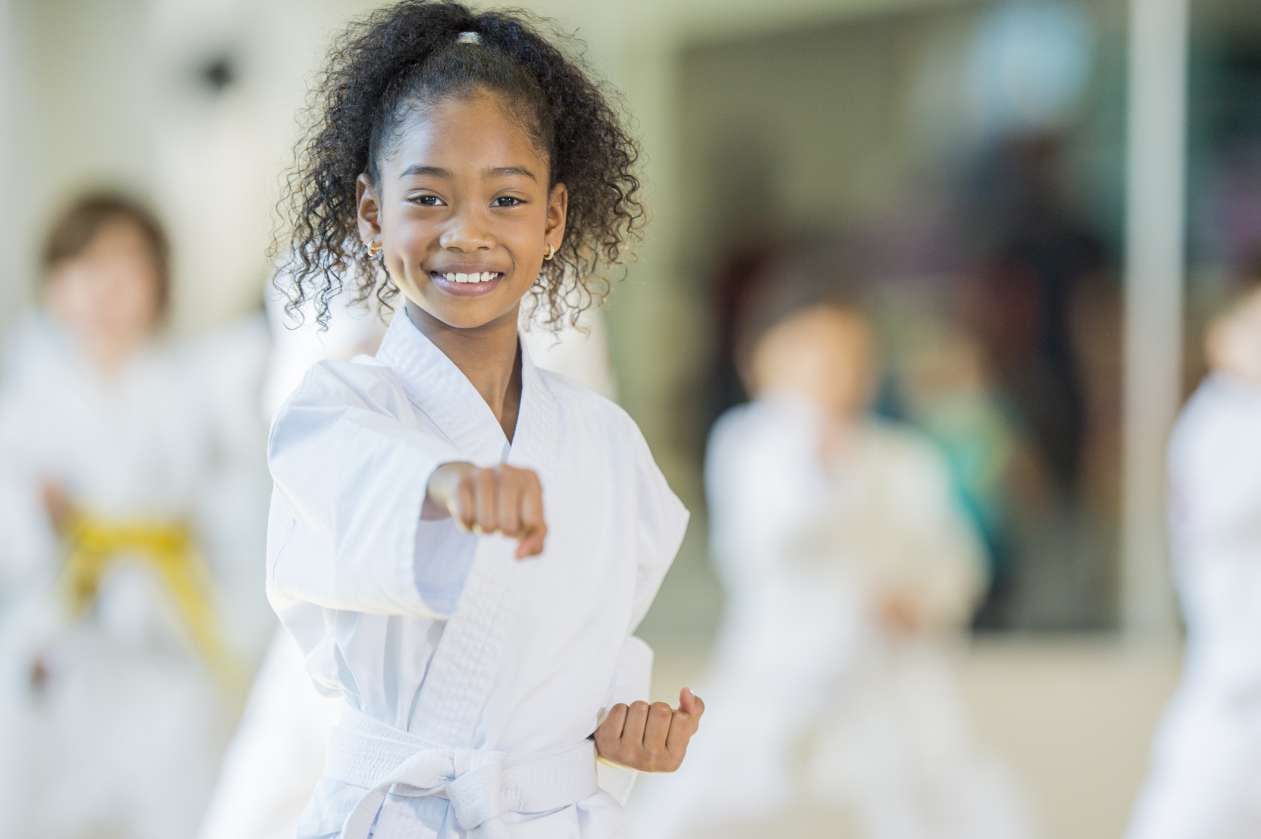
(847, 570)
(1207, 756)
(277, 753)
(460, 542)
(121, 670)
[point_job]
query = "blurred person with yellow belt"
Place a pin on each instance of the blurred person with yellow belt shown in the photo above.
(121, 667)
(1205, 781)
(849, 572)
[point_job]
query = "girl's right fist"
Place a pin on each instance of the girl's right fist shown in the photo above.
(496, 499)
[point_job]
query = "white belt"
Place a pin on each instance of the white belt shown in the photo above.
(481, 784)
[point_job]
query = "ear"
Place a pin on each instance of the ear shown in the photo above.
(368, 209)
(557, 210)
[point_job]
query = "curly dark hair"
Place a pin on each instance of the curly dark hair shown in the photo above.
(398, 58)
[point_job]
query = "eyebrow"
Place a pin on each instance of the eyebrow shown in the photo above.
(494, 171)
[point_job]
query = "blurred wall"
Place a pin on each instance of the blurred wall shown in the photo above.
(188, 104)
(80, 110)
(11, 236)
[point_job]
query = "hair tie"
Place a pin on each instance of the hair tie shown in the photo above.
(468, 38)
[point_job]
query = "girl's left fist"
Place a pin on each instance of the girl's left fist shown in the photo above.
(650, 738)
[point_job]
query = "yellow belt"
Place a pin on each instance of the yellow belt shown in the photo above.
(95, 544)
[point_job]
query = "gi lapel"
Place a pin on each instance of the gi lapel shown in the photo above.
(468, 659)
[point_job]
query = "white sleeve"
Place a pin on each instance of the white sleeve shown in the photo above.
(29, 540)
(659, 527)
(345, 528)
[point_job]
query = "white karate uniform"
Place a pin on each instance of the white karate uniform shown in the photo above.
(277, 753)
(125, 735)
(471, 680)
(808, 691)
(1207, 755)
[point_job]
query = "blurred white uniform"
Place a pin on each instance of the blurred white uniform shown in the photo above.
(123, 737)
(277, 752)
(277, 755)
(31, 339)
(804, 673)
(1207, 756)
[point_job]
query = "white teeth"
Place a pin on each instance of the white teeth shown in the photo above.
(484, 277)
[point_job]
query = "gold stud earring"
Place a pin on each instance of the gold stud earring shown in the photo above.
(551, 251)
(374, 247)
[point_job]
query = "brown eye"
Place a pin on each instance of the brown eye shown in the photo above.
(502, 201)
(426, 200)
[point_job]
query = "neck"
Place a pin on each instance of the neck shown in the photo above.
(486, 355)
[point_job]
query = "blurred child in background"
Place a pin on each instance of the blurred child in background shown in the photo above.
(848, 570)
(121, 666)
(945, 389)
(277, 752)
(1207, 756)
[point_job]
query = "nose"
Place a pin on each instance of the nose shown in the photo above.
(467, 232)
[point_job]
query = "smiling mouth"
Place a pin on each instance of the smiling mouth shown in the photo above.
(476, 278)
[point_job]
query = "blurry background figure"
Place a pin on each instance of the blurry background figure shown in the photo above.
(848, 571)
(578, 350)
(945, 389)
(299, 342)
(1036, 264)
(959, 150)
(127, 516)
(1207, 754)
(277, 754)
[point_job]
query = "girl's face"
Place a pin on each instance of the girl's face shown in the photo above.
(463, 212)
(108, 295)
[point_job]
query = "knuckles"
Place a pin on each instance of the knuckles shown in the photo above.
(503, 476)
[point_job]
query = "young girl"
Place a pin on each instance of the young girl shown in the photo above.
(120, 663)
(461, 543)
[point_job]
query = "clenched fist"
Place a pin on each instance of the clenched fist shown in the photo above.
(650, 738)
(496, 499)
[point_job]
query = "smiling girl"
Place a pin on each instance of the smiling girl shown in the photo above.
(460, 542)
